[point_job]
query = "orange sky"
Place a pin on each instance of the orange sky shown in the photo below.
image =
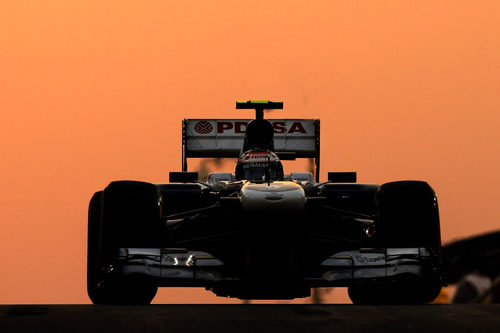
(94, 91)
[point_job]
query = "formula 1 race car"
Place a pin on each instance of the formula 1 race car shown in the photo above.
(259, 233)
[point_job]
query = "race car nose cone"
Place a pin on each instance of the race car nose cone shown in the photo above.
(280, 196)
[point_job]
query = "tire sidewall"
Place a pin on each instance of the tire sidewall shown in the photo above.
(126, 214)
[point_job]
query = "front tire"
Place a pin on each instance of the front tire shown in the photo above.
(126, 214)
(407, 216)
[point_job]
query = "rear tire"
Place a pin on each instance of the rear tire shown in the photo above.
(126, 214)
(407, 216)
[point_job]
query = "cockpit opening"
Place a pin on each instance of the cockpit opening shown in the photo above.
(259, 166)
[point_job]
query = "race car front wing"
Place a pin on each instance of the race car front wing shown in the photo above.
(182, 267)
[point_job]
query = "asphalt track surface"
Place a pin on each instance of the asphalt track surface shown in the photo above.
(249, 318)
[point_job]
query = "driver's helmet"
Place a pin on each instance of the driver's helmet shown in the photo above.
(255, 165)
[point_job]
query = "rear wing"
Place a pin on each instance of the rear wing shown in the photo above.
(216, 138)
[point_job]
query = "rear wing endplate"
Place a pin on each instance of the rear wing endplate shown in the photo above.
(217, 138)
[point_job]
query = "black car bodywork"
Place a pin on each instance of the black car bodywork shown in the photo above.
(268, 239)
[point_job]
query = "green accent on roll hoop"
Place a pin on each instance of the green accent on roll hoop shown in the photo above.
(265, 105)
